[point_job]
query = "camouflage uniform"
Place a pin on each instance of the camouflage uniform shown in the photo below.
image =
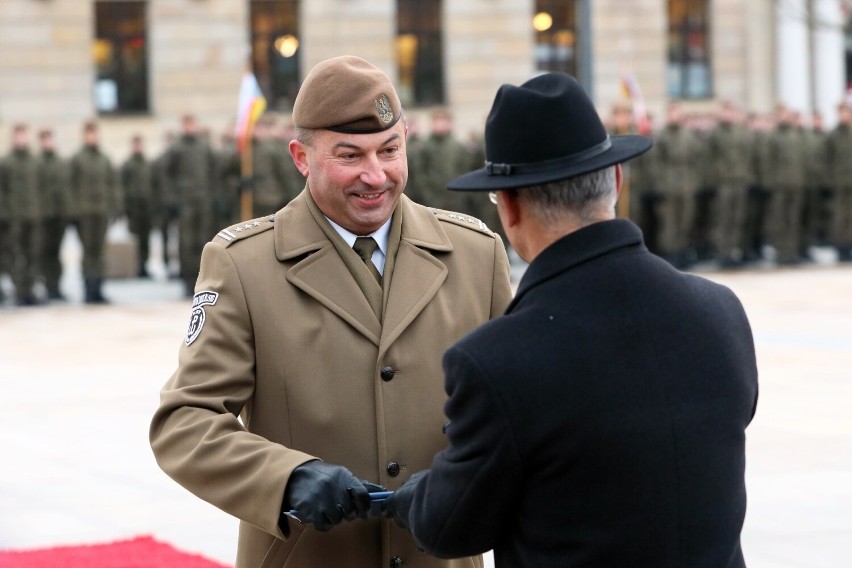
(53, 180)
(95, 198)
(642, 187)
(676, 148)
(758, 198)
(442, 158)
(136, 186)
(272, 182)
(164, 204)
(226, 205)
(838, 149)
(190, 167)
(814, 207)
(19, 174)
(5, 235)
(784, 216)
(730, 147)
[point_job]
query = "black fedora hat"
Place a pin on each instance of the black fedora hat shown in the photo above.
(545, 130)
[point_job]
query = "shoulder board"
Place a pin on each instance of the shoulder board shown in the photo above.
(245, 229)
(462, 219)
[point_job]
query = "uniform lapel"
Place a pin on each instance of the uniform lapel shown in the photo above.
(417, 273)
(322, 274)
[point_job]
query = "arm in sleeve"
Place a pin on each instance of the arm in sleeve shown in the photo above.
(470, 492)
(196, 435)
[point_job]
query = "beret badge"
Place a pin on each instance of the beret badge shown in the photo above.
(384, 109)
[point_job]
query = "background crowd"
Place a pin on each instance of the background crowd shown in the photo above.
(727, 187)
(736, 188)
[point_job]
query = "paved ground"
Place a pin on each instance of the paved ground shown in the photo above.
(80, 384)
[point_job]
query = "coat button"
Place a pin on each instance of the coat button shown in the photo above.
(387, 373)
(396, 562)
(393, 469)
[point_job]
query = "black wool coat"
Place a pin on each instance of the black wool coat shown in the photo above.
(601, 421)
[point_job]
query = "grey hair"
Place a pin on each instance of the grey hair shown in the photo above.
(306, 135)
(586, 197)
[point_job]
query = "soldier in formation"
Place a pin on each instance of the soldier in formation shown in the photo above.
(136, 187)
(725, 188)
(19, 183)
(95, 200)
(190, 170)
(53, 190)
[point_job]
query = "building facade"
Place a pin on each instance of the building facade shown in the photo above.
(138, 65)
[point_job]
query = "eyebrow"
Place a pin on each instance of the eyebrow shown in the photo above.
(392, 138)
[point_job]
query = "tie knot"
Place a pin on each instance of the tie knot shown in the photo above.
(365, 247)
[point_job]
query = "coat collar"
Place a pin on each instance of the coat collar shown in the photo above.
(588, 243)
(417, 274)
(296, 232)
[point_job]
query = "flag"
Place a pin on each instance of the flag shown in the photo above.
(251, 105)
(630, 87)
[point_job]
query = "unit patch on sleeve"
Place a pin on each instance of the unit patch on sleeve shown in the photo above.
(198, 315)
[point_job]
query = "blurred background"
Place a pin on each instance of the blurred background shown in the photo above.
(137, 66)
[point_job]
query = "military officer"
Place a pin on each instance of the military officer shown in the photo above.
(272, 181)
(784, 215)
(54, 195)
(191, 172)
(676, 147)
(19, 173)
(95, 199)
(136, 186)
(838, 148)
(442, 157)
(730, 147)
(301, 349)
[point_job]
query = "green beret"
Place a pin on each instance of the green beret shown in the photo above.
(347, 94)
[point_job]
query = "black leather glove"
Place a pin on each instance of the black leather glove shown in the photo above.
(397, 505)
(325, 495)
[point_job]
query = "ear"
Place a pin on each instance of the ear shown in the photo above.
(511, 207)
(300, 156)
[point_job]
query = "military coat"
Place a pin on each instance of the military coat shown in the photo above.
(19, 173)
(285, 361)
(53, 184)
(95, 188)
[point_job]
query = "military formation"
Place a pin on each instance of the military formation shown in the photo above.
(731, 189)
(735, 189)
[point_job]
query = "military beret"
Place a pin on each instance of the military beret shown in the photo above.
(347, 94)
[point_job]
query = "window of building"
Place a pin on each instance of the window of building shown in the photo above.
(555, 25)
(419, 52)
(275, 52)
(689, 69)
(120, 52)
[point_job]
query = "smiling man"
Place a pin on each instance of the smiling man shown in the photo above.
(309, 368)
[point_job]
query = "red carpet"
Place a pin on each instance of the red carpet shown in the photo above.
(140, 552)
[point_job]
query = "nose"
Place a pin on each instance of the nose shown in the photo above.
(373, 173)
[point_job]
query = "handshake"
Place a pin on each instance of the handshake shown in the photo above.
(325, 495)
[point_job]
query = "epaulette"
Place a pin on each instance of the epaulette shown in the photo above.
(245, 229)
(461, 219)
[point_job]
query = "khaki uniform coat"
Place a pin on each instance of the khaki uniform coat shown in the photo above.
(287, 367)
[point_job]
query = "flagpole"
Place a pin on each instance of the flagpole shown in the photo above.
(246, 181)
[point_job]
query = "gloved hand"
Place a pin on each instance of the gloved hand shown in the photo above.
(325, 495)
(397, 505)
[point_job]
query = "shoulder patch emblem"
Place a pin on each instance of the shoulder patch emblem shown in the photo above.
(198, 315)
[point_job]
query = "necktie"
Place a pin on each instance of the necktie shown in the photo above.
(365, 247)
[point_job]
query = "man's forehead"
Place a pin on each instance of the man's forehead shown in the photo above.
(396, 134)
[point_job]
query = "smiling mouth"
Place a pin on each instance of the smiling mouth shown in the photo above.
(369, 196)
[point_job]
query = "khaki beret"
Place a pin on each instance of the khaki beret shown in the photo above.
(347, 94)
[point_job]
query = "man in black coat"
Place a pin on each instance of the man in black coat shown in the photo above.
(601, 421)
